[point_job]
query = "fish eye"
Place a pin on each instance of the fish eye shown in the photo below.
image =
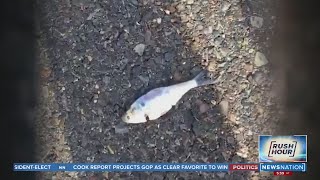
(128, 117)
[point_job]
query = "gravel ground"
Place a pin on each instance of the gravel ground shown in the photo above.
(97, 57)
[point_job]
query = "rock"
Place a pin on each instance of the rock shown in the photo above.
(169, 56)
(106, 175)
(240, 137)
(121, 129)
(224, 106)
(106, 80)
(225, 155)
(204, 107)
(159, 20)
(225, 6)
(248, 68)
(217, 54)
(218, 41)
(190, 2)
(260, 59)
(145, 80)
(45, 91)
(236, 158)
(230, 140)
(258, 77)
(45, 72)
(147, 37)
(139, 49)
(224, 52)
(180, 7)
(172, 9)
(208, 31)
(177, 76)
(134, 2)
(89, 58)
(256, 21)
(91, 15)
(221, 65)
(215, 33)
(212, 66)
(196, 9)
(200, 27)
(221, 174)
(245, 42)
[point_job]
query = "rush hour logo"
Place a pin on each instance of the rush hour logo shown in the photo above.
(283, 148)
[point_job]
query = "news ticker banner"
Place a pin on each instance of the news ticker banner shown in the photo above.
(283, 148)
(161, 167)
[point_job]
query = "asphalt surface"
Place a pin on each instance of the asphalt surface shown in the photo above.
(92, 70)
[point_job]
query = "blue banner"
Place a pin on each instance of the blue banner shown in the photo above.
(297, 167)
(122, 167)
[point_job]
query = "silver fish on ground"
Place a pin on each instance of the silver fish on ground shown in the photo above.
(159, 101)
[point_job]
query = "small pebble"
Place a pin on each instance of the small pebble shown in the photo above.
(221, 174)
(180, 7)
(200, 27)
(159, 20)
(177, 76)
(224, 105)
(172, 9)
(212, 66)
(260, 59)
(89, 58)
(45, 91)
(230, 140)
(204, 107)
(208, 31)
(224, 52)
(226, 5)
(190, 2)
(121, 129)
(256, 21)
(259, 77)
(248, 67)
(139, 49)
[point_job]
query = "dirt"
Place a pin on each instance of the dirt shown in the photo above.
(97, 57)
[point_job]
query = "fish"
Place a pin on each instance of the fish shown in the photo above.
(157, 102)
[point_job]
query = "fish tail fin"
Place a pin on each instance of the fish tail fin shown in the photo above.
(202, 79)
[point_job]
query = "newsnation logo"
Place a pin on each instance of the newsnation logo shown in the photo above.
(283, 148)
